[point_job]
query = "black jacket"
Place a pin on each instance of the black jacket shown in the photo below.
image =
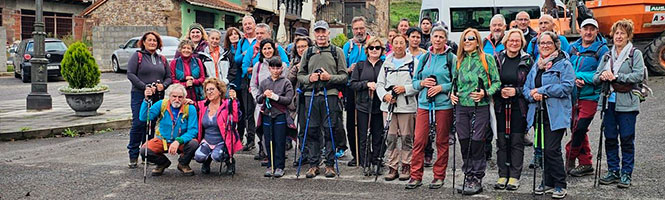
(525, 64)
(363, 73)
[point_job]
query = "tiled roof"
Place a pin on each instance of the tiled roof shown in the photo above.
(219, 4)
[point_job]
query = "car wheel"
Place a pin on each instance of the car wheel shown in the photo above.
(25, 77)
(116, 65)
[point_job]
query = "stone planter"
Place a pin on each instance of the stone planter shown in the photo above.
(85, 103)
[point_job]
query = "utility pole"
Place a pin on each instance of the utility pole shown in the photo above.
(39, 98)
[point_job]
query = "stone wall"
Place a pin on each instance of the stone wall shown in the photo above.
(3, 55)
(163, 13)
(381, 24)
(106, 39)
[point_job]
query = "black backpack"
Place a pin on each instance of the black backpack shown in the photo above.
(310, 53)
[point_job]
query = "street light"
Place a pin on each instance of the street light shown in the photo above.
(39, 98)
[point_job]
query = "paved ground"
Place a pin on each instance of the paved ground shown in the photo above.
(14, 117)
(94, 167)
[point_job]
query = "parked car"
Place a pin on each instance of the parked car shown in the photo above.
(120, 57)
(55, 50)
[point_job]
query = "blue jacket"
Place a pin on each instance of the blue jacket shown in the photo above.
(585, 64)
(188, 127)
(557, 85)
(442, 70)
(533, 46)
(243, 46)
(490, 49)
(249, 60)
(354, 53)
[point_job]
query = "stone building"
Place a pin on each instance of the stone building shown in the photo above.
(61, 18)
(113, 22)
(298, 13)
(339, 13)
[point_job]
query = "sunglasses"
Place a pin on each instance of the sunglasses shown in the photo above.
(470, 38)
(372, 48)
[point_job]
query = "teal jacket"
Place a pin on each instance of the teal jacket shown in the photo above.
(439, 65)
(585, 63)
(187, 126)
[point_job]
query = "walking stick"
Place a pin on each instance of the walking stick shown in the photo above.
(508, 136)
(272, 161)
(473, 131)
(453, 131)
(332, 136)
(539, 140)
(432, 114)
(148, 128)
(230, 125)
(304, 137)
(599, 157)
(367, 165)
(356, 133)
(386, 127)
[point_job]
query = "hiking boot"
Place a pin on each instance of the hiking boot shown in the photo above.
(352, 163)
(581, 170)
(312, 172)
(392, 174)
(513, 184)
(413, 184)
(205, 167)
(268, 173)
(559, 193)
(436, 184)
(279, 173)
(265, 162)
(610, 178)
(133, 163)
(474, 187)
(159, 170)
(428, 162)
(330, 172)
(570, 165)
(340, 153)
(542, 189)
(230, 167)
(186, 170)
(405, 172)
(248, 147)
(625, 180)
(501, 183)
(289, 145)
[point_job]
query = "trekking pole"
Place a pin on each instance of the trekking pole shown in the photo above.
(332, 136)
(432, 114)
(599, 157)
(473, 131)
(368, 142)
(272, 161)
(229, 115)
(356, 133)
(536, 143)
(148, 128)
(573, 128)
(542, 134)
(386, 127)
(508, 136)
(453, 130)
(295, 150)
(304, 137)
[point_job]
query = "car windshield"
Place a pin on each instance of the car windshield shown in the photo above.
(170, 41)
(50, 46)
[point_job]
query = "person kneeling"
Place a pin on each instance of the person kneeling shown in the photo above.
(176, 130)
(275, 93)
(216, 131)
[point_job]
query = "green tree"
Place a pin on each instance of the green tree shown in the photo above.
(79, 68)
(339, 40)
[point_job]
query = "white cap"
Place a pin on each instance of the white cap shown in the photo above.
(589, 21)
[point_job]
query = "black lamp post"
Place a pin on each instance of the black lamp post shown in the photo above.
(39, 98)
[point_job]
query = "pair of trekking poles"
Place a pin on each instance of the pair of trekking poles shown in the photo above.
(384, 135)
(332, 136)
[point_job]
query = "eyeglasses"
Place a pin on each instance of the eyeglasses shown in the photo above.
(210, 89)
(514, 41)
(548, 43)
(470, 38)
(372, 48)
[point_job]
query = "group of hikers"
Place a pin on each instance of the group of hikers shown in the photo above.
(407, 98)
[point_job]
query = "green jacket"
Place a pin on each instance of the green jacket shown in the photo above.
(467, 76)
(322, 58)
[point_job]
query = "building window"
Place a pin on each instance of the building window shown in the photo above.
(206, 19)
(478, 18)
(56, 24)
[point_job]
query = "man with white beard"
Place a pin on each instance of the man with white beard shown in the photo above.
(492, 44)
(178, 125)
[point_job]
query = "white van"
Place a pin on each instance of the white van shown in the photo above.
(462, 14)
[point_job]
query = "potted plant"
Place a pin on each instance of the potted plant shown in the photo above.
(84, 94)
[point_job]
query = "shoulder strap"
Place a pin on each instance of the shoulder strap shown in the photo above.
(333, 51)
(450, 67)
(484, 61)
(308, 55)
(138, 65)
(428, 55)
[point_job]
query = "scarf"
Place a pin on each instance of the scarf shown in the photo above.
(617, 60)
(546, 62)
(215, 53)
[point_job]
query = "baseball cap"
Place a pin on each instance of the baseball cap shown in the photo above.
(301, 31)
(589, 21)
(321, 24)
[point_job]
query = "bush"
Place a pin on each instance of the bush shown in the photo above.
(79, 68)
(339, 40)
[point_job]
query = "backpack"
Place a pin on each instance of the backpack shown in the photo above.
(310, 53)
(483, 60)
(642, 89)
(448, 59)
(410, 70)
(595, 54)
(184, 109)
(141, 59)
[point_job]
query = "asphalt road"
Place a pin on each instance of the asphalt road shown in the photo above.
(94, 167)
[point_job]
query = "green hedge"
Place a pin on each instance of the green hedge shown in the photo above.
(79, 68)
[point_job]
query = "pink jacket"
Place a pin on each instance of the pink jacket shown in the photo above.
(233, 144)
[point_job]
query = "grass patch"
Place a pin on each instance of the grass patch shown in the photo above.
(70, 132)
(10, 68)
(104, 131)
(23, 129)
(405, 9)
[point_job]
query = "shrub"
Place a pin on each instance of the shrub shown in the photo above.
(79, 68)
(339, 40)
